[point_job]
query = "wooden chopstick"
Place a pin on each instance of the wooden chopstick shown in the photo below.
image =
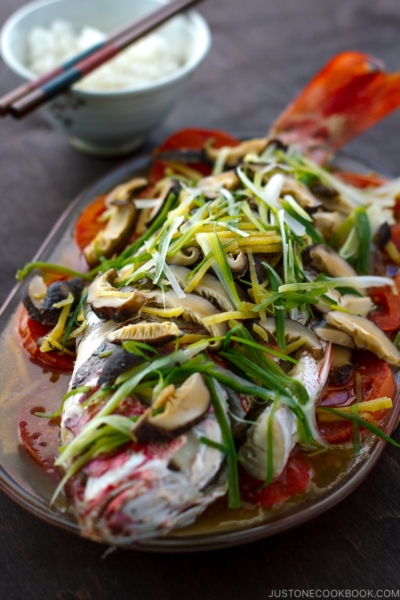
(29, 96)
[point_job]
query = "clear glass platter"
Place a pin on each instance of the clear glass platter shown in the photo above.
(28, 484)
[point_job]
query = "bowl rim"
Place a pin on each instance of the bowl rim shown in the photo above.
(200, 27)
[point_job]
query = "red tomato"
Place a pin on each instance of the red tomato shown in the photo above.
(377, 381)
(361, 181)
(190, 139)
(39, 436)
(31, 331)
(294, 479)
(387, 316)
(88, 226)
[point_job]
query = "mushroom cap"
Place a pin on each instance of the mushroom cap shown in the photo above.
(181, 407)
(238, 263)
(114, 235)
(327, 223)
(147, 215)
(195, 309)
(332, 334)
(327, 261)
(300, 193)
(357, 304)
(211, 185)
(110, 303)
(295, 330)
(209, 287)
(365, 335)
(185, 257)
(236, 153)
(125, 191)
(40, 299)
(332, 200)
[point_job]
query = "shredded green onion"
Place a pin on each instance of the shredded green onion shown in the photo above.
(233, 477)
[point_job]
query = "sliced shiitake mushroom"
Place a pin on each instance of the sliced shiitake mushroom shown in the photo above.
(294, 331)
(209, 287)
(236, 153)
(181, 408)
(147, 215)
(327, 261)
(300, 193)
(114, 236)
(119, 226)
(211, 185)
(153, 334)
(332, 334)
(365, 335)
(124, 192)
(331, 199)
(195, 309)
(238, 263)
(340, 356)
(110, 303)
(40, 300)
(359, 305)
(327, 223)
(185, 257)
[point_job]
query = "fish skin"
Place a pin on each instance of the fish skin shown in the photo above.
(311, 373)
(137, 493)
(254, 451)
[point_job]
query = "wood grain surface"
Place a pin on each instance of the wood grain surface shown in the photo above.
(262, 55)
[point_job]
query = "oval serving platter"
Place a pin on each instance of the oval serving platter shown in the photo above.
(28, 484)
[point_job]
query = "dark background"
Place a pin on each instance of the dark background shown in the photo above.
(262, 55)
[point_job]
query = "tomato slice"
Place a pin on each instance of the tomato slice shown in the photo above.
(377, 381)
(87, 225)
(294, 480)
(39, 436)
(387, 316)
(190, 139)
(31, 331)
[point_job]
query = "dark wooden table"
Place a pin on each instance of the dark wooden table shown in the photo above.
(263, 53)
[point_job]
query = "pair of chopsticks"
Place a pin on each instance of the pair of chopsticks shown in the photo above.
(29, 96)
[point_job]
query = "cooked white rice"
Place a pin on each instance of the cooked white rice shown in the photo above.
(150, 59)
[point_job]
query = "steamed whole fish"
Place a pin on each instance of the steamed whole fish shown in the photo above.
(205, 348)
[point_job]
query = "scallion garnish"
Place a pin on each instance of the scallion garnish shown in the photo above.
(276, 282)
(270, 443)
(231, 456)
(363, 229)
(50, 267)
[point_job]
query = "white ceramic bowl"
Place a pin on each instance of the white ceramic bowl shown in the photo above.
(106, 123)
